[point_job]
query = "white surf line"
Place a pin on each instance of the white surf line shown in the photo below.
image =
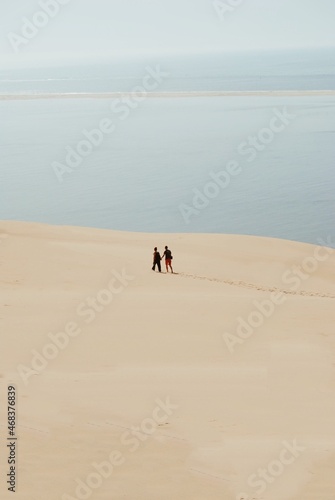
(260, 288)
(219, 93)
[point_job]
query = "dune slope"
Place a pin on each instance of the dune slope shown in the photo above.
(216, 382)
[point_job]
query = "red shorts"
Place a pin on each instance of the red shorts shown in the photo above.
(168, 262)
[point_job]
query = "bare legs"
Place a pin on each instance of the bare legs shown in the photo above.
(167, 268)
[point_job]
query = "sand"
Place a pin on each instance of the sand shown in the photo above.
(216, 382)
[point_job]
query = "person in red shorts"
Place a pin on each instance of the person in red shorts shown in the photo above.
(168, 259)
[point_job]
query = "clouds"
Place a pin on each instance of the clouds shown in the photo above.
(112, 28)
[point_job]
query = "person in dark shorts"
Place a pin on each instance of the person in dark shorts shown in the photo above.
(156, 260)
(168, 259)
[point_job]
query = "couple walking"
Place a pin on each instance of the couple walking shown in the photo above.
(157, 259)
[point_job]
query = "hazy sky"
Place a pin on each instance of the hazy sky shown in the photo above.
(103, 28)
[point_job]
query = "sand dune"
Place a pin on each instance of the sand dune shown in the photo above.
(216, 382)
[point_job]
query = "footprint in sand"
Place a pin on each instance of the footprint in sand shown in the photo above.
(243, 284)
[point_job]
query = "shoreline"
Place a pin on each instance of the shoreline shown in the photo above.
(153, 95)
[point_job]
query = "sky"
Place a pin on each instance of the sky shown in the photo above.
(83, 30)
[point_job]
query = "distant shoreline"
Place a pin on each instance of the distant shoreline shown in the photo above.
(117, 95)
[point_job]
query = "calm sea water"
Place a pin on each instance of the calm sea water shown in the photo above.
(283, 70)
(147, 174)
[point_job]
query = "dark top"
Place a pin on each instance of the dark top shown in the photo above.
(167, 254)
(157, 257)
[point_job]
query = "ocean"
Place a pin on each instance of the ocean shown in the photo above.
(184, 160)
